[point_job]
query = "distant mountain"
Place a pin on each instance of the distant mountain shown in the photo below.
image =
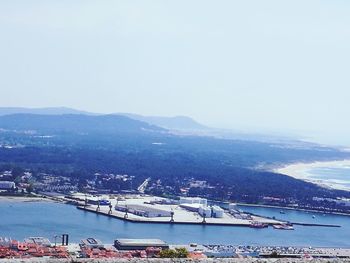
(73, 123)
(178, 125)
(42, 111)
(181, 123)
(173, 123)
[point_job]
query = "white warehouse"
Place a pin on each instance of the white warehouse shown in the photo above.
(217, 212)
(204, 210)
(143, 210)
(193, 200)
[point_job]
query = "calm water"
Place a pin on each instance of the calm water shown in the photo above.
(19, 220)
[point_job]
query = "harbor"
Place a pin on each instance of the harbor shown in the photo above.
(150, 209)
(62, 218)
(157, 210)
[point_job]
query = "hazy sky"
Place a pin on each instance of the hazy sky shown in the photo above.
(248, 65)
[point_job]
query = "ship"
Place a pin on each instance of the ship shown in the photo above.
(283, 227)
(256, 224)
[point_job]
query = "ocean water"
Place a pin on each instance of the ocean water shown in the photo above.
(337, 176)
(22, 219)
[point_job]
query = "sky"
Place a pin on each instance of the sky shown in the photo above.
(257, 66)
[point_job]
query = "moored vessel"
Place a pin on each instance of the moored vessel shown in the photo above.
(256, 224)
(283, 227)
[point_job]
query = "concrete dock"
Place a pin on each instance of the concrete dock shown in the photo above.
(180, 215)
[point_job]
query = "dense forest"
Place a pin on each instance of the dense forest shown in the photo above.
(79, 146)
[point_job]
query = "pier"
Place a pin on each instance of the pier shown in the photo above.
(150, 209)
(314, 224)
(247, 224)
(145, 221)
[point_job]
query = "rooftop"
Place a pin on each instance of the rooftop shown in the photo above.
(141, 242)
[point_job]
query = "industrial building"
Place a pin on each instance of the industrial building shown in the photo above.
(217, 212)
(102, 202)
(191, 207)
(7, 185)
(143, 210)
(204, 211)
(139, 244)
(199, 205)
(91, 243)
(193, 200)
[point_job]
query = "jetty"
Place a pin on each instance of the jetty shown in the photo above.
(153, 210)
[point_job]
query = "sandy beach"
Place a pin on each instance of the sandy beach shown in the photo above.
(302, 171)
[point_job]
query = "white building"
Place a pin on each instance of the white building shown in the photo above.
(143, 210)
(191, 207)
(193, 200)
(7, 185)
(91, 243)
(232, 207)
(217, 212)
(204, 210)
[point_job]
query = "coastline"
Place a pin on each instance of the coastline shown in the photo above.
(301, 170)
(294, 208)
(289, 208)
(43, 198)
(23, 199)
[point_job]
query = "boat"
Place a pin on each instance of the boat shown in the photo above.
(282, 212)
(283, 227)
(256, 224)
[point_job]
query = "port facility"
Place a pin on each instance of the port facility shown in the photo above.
(151, 209)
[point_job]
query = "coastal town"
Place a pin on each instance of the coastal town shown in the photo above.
(91, 248)
(24, 182)
(134, 204)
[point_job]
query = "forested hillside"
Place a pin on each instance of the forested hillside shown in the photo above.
(81, 145)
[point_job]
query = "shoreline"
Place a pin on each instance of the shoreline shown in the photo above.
(301, 170)
(43, 198)
(295, 209)
(25, 199)
(199, 223)
(291, 208)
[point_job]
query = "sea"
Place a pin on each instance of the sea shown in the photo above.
(338, 177)
(48, 219)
